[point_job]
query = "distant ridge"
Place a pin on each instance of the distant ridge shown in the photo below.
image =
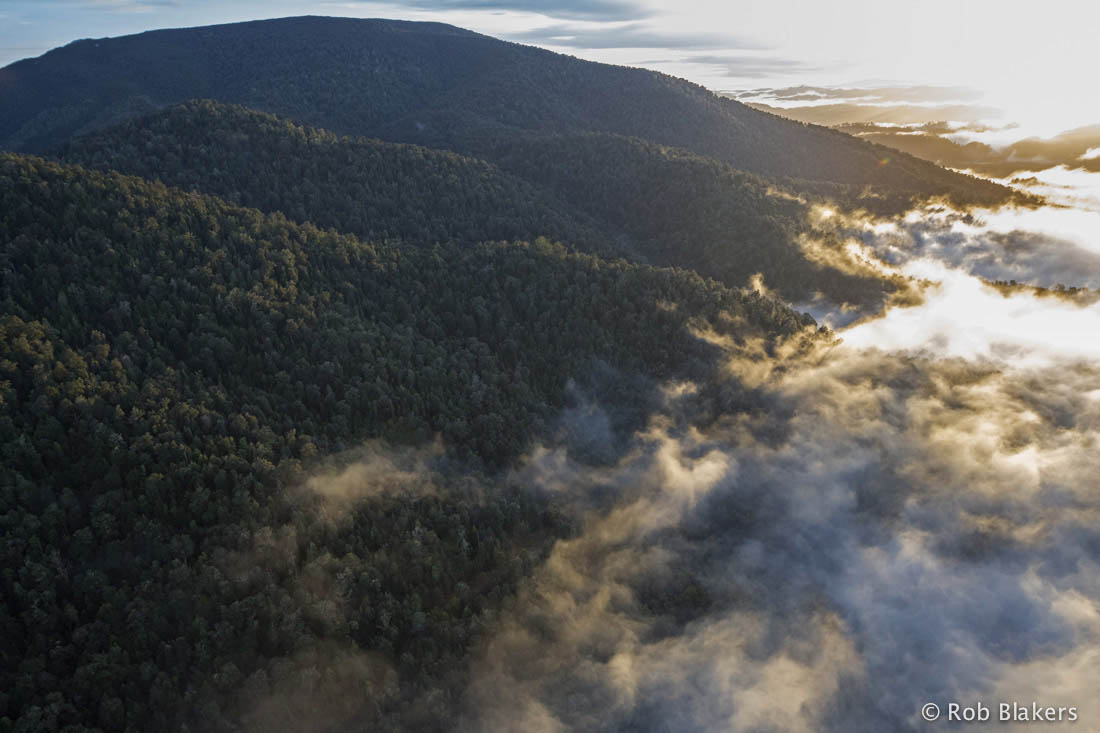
(433, 84)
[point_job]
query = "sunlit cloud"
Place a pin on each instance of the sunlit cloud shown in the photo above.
(1070, 187)
(869, 95)
(887, 106)
(895, 528)
(629, 35)
(946, 125)
(745, 65)
(1071, 224)
(963, 317)
(597, 10)
(905, 522)
(988, 149)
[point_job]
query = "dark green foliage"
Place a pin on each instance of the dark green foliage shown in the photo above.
(170, 363)
(369, 188)
(658, 205)
(187, 282)
(684, 210)
(436, 85)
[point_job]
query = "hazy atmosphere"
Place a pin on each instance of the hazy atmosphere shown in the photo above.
(377, 374)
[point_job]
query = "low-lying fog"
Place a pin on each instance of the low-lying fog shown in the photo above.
(913, 516)
(830, 535)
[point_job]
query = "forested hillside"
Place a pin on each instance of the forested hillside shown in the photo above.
(172, 365)
(432, 84)
(370, 188)
(600, 193)
(684, 210)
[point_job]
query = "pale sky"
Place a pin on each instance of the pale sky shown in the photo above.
(1034, 61)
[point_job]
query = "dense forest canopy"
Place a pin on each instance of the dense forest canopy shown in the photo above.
(171, 362)
(370, 188)
(601, 193)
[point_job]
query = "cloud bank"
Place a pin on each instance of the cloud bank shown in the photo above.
(627, 35)
(896, 530)
(829, 539)
(825, 535)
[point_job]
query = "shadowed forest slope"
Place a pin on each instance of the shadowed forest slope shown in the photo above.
(599, 193)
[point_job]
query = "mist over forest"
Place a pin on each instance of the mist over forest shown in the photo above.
(380, 375)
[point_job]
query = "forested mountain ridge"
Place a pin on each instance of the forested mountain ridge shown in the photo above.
(169, 364)
(80, 242)
(373, 189)
(600, 193)
(431, 84)
(685, 210)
